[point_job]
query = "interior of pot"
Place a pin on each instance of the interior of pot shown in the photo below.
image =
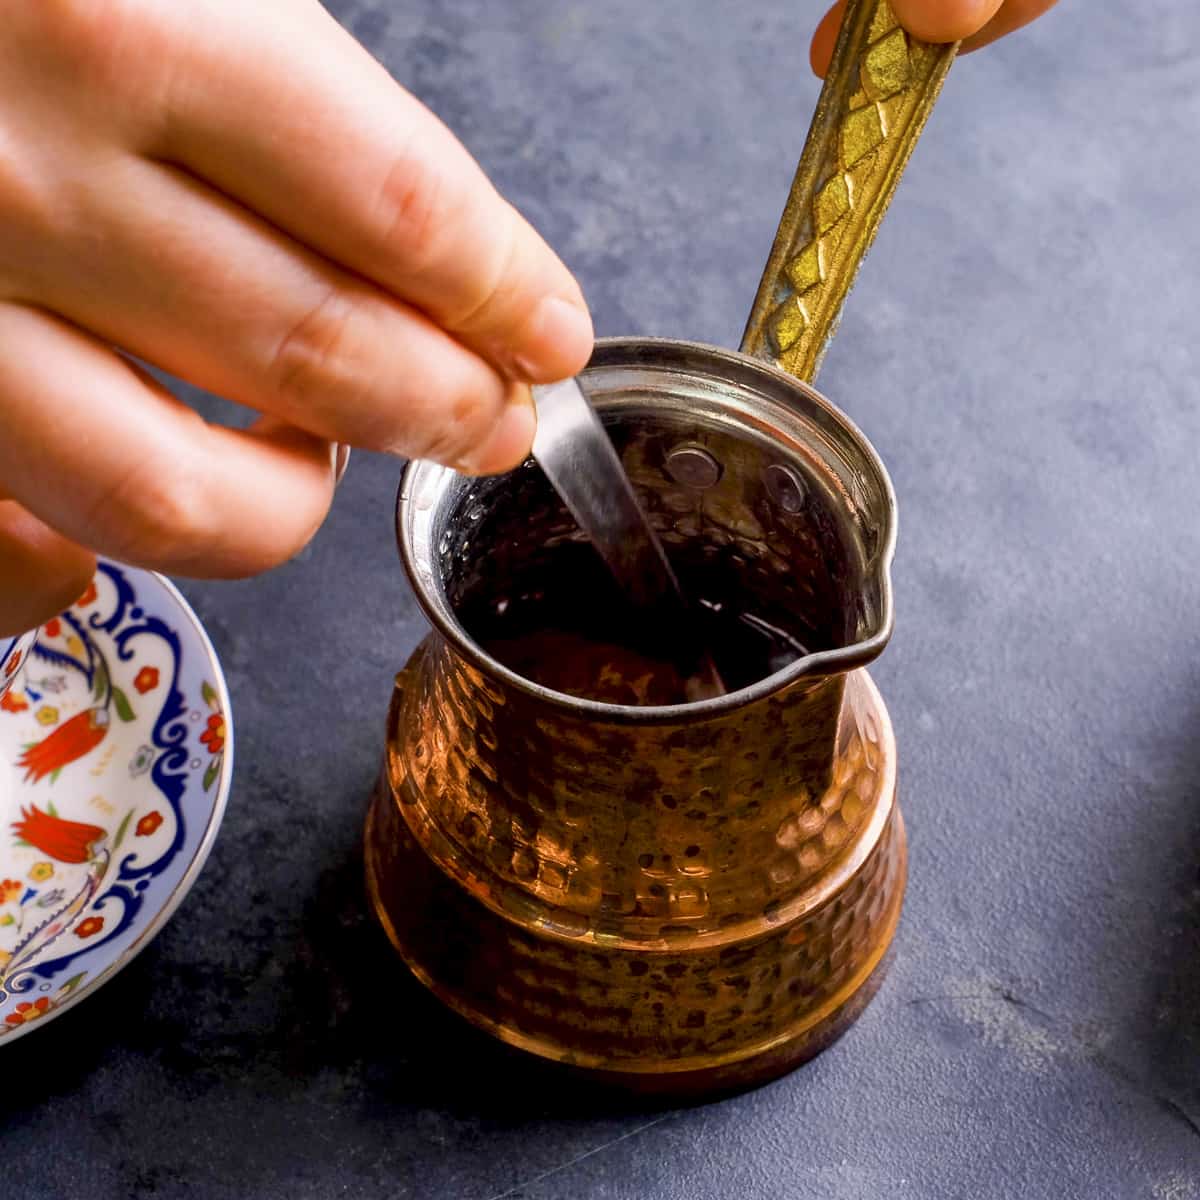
(773, 509)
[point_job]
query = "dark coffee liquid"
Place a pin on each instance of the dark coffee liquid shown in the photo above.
(569, 628)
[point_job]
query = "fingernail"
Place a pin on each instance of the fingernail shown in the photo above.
(339, 460)
(509, 443)
(556, 342)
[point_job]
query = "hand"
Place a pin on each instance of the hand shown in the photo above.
(237, 193)
(973, 22)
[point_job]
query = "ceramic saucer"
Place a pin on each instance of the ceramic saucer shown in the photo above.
(115, 760)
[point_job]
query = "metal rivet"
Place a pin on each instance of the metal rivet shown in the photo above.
(785, 487)
(693, 466)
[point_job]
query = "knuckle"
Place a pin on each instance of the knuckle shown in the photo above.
(318, 355)
(158, 514)
(495, 298)
(414, 208)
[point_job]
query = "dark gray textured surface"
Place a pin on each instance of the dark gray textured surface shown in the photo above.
(1022, 350)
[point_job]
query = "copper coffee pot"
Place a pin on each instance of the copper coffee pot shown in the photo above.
(695, 897)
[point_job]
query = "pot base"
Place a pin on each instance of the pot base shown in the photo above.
(705, 1014)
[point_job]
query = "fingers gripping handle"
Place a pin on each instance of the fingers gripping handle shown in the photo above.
(881, 86)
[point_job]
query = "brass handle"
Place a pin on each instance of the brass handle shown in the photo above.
(880, 89)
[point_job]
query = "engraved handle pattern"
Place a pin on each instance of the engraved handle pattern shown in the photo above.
(880, 89)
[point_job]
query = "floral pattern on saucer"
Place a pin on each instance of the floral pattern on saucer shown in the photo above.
(12, 657)
(115, 760)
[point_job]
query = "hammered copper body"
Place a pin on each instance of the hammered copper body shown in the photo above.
(699, 897)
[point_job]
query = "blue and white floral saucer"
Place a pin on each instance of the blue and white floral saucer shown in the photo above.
(115, 759)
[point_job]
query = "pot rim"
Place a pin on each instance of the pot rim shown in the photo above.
(630, 351)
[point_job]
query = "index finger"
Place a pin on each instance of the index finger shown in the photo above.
(280, 108)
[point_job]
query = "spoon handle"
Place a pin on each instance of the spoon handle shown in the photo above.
(880, 89)
(584, 468)
(580, 461)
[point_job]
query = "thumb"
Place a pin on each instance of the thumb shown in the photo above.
(41, 572)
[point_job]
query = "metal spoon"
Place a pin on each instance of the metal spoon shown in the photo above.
(580, 461)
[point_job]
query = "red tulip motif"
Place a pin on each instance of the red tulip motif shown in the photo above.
(71, 740)
(66, 841)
